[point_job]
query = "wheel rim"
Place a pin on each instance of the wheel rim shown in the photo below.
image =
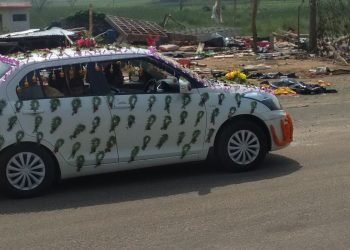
(25, 171)
(243, 147)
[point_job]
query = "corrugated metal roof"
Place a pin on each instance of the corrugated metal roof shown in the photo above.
(16, 5)
(135, 30)
(37, 33)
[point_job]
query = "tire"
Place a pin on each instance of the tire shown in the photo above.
(19, 180)
(241, 146)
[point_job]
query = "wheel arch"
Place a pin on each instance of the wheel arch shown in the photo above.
(247, 118)
(48, 151)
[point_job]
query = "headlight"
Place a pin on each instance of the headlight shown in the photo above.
(267, 99)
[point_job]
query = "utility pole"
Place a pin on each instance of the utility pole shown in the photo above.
(313, 26)
(254, 30)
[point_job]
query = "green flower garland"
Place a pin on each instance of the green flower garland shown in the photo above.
(221, 98)
(253, 106)
(37, 123)
(110, 100)
(134, 153)
(185, 149)
(183, 117)
(18, 106)
(59, 143)
(3, 105)
(39, 137)
(78, 130)
(95, 143)
(146, 141)
(233, 111)
(180, 138)
(75, 149)
(195, 136)
(76, 104)
(168, 100)
(80, 162)
(55, 123)
(132, 101)
(95, 124)
(200, 115)
(204, 99)
(186, 100)
(215, 114)
(238, 98)
(162, 140)
(114, 123)
(99, 158)
(151, 120)
(54, 104)
(151, 100)
(166, 122)
(11, 123)
(210, 135)
(110, 143)
(131, 121)
(34, 105)
(19, 136)
(96, 102)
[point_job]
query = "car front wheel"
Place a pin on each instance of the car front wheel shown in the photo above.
(241, 146)
(26, 171)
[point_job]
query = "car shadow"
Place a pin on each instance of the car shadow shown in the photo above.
(200, 177)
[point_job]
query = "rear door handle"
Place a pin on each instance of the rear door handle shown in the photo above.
(121, 105)
(32, 112)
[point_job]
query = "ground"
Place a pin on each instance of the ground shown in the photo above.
(298, 199)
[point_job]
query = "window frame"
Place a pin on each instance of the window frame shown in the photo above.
(19, 17)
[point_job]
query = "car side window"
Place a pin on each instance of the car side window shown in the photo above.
(138, 76)
(74, 80)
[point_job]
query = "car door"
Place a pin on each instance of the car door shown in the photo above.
(157, 124)
(58, 110)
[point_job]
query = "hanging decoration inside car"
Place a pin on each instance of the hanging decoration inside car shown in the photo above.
(151, 100)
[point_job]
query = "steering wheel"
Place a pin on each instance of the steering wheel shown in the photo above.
(151, 86)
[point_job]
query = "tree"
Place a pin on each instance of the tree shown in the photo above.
(40, 4)
(255, 4)
(313, 26)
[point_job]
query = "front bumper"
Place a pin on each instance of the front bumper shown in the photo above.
(281, 131)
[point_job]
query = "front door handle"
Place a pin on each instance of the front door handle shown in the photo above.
(32, 112)
(121, 105)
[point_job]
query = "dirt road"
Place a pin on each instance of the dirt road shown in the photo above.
(298, 199)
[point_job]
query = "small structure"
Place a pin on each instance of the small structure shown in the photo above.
(14, 16)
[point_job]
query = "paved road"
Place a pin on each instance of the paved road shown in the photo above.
(298, 199)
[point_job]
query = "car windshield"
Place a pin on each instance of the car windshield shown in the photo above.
(4, 67)
(191, 73)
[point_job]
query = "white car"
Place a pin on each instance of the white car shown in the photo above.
(69, 113)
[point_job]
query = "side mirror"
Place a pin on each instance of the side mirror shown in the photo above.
(185, 86)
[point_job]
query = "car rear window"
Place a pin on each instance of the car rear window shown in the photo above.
(4, 67)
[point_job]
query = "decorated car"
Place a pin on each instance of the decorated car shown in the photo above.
(70, 113)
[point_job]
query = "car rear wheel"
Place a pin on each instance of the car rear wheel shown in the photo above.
(26, 171)
(241, 146)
